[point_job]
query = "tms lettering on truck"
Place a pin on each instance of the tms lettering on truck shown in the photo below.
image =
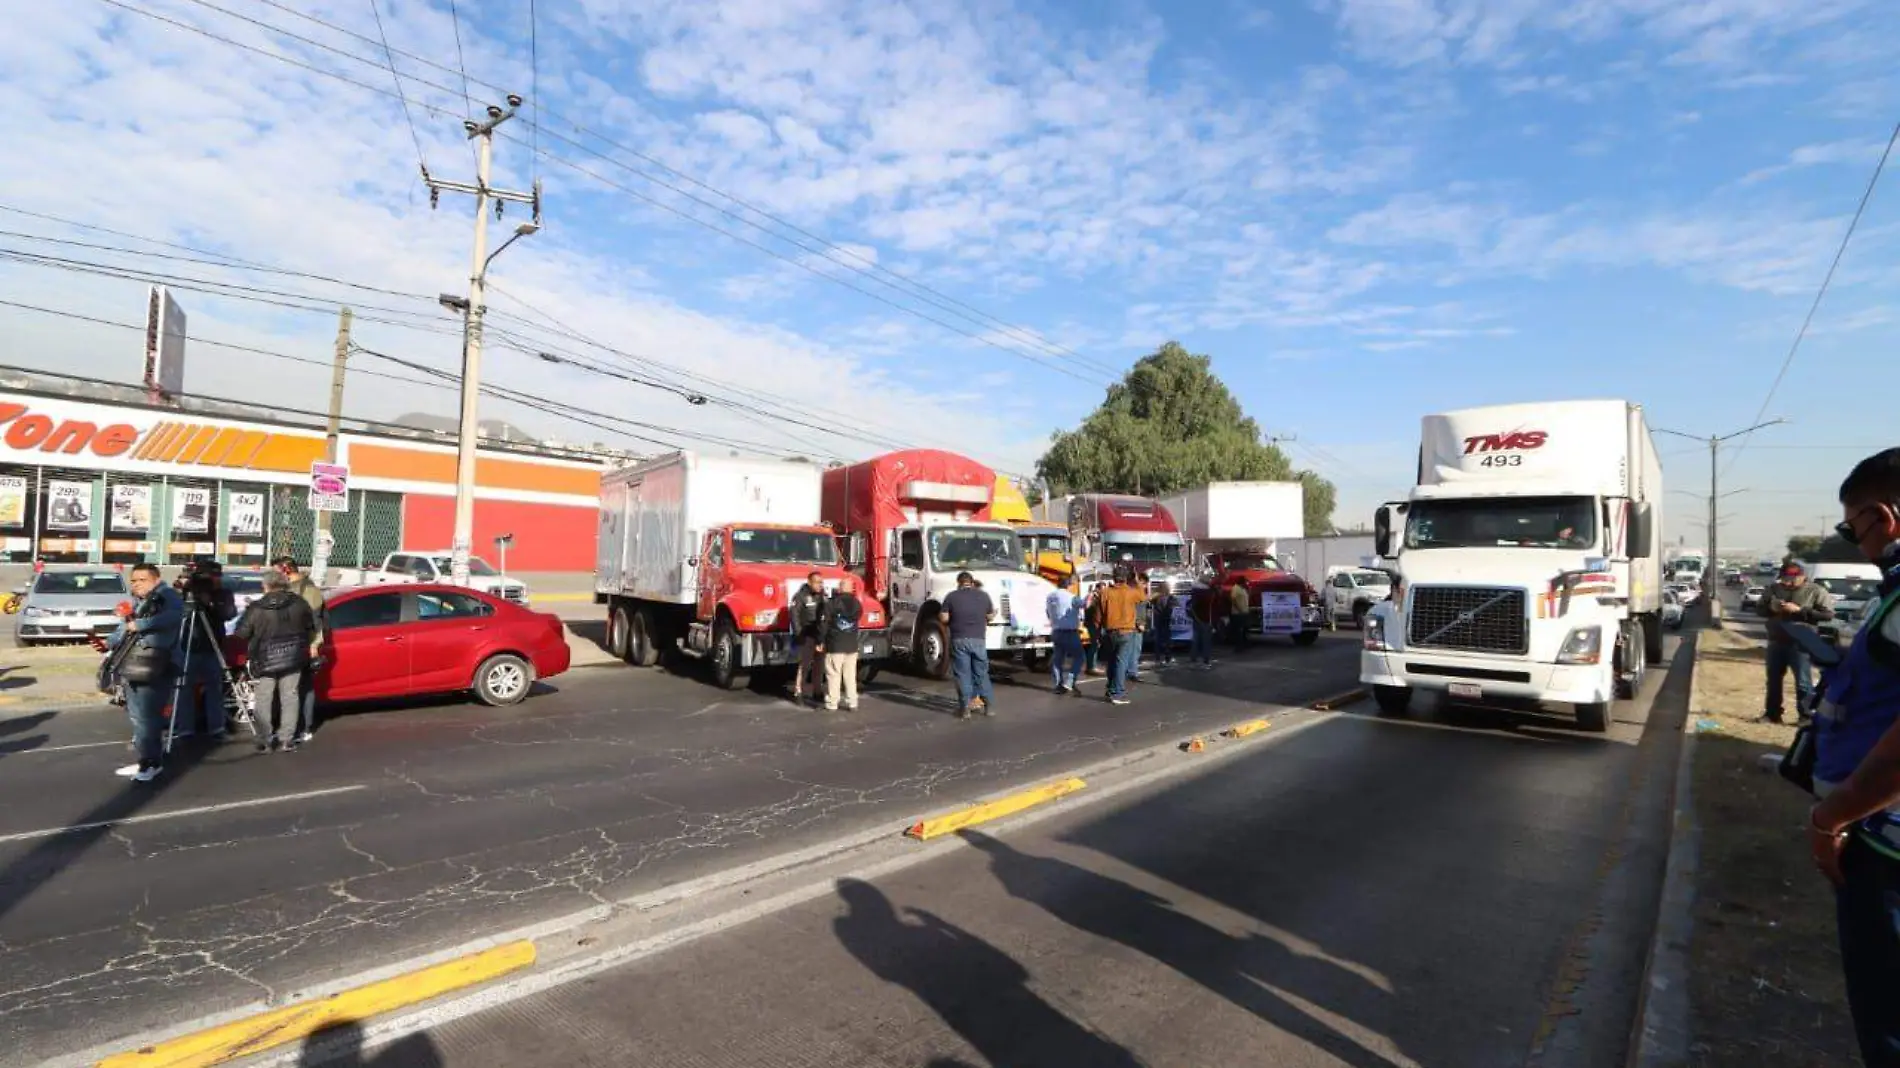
(703, 555)
(916, 518)
(1527, 561)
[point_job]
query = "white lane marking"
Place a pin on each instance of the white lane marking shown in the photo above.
(60, 748)
(200, 810)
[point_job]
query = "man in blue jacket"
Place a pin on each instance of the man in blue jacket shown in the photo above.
(1854, 832)
(157, 615)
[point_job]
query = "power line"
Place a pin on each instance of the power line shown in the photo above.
(871, 269)
(397, 79)
(1808, 320)
(208, 260)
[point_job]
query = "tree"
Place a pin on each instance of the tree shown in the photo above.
(1170, 425)
(1833, 550)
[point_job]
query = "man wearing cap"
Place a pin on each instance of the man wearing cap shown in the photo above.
(1792, 600)
(968, 612)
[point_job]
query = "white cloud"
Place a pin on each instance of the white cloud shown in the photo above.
(1858, 152)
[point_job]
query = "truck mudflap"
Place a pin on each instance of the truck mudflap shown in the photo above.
(776, 648)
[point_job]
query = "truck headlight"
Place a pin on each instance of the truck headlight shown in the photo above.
(765, 617)
(34, 612)
(1583, 646)
(1375, 634)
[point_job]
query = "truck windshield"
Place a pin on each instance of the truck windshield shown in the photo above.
(1246, 561)
(476, 565)
(784, 547)
(976, 548)
(1488, 522)
(1850, 588)
(1122, 552)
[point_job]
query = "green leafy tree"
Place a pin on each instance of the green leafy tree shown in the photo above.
(1171, 425)
(1815, 549)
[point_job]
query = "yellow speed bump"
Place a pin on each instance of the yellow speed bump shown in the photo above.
(1241, 730)
(269, 1030)
(936, 826)
(1339, 701)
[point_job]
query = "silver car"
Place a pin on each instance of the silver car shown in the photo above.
(63, 603)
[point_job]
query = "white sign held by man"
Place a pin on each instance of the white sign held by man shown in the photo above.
(329, 487)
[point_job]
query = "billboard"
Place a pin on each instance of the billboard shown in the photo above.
(164, 343)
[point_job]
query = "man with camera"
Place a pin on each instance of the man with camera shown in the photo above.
(209, 606)
(150, 626)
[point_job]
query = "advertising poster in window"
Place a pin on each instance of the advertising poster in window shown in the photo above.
(191, 510)
(69, 506)
(246, 518)
(12, 500)
(132, 509)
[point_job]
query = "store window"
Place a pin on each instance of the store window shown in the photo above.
(130, 536)
(243, 523)
(190, 516)
(67, 507)
(18, 514)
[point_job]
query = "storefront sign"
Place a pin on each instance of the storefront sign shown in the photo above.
(245, 515)
(329, 487)
(12, 501)
(132, 509)
(25, 429)
(191, 509)
(38, 430)
(69, 506)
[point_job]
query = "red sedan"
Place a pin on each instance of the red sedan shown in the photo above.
(400, 641)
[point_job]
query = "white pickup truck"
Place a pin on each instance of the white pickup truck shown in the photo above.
(410, 567)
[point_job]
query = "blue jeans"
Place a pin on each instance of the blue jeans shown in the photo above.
(970, 661)
(204, 671)
(1870, 950)
(1127, 656)
(1068, 651)
(146, 705)
(1162, 636)
(1203, 647)
(1780, 659)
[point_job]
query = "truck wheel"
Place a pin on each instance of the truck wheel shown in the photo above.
(1359, 610)
(643, 651)
(1392, 700)
(1306, 637)
(867, 671)
(1653, 639)
(503, 679)
(726, 672)
(1594, 717)
(931, 653)
(619, 633)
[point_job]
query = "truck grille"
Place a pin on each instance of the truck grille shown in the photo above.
(1481, 619)
(1002, 608)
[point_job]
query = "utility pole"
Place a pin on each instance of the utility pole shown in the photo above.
(473, 309)
(1711, 587)
(320, 554)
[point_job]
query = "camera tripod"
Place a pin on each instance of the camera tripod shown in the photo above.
(239, 698)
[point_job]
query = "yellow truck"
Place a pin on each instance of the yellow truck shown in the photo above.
(1045, 545)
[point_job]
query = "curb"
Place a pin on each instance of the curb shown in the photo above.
(950, 822)
(1660, 1037)
(1338, 701)
(279, 1027)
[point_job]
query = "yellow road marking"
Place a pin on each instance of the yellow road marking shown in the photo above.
(936, 826)
(268, 1030)
(1241, 730)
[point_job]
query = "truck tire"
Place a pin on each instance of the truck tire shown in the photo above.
(1594, 717)
(503, 679)
(867, 671)
(1359, 610)
(619, 633)
(930, 649)
(642, 648)
(723, 658)
(1392, 700)
(1653, 638)
(1306, 637)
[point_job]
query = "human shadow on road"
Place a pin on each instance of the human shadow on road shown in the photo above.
(978, 991)
(1234, 967)
(342, 1047)
(20, 725)
(11, 681)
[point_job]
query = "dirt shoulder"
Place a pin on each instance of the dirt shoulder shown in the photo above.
(1764, 973)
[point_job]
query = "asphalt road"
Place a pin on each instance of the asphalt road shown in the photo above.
(1473, 889)
(403, 831)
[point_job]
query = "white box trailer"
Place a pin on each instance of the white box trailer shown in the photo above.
(704, 554)
(1317, 557)
(1222, 516)
(1531, 560)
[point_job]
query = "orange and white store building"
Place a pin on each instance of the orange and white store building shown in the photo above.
(106, 482)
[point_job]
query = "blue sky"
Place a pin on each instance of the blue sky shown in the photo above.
(1364, 210)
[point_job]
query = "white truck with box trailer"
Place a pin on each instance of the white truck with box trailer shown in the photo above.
(1238, 516)
(1527, 561)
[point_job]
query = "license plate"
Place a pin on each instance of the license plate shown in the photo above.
(1467, 691)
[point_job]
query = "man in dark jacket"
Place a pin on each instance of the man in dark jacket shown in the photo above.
(1792, 600)
(312, 595)
(151, 625)
(808, 609)
(280, 636)
(838, 641)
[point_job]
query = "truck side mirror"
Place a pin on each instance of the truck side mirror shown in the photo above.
(1382, 531)
(1642, 531)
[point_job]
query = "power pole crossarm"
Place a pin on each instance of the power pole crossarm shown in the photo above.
(468, 434)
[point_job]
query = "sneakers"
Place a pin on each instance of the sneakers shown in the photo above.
(129, 770)
(304, 737)
(146, 774)
(984, 707)
(1060, 690)
(292, 746)
(1120, 701)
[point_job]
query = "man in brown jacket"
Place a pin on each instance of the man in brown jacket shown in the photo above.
(1121, 606)
(1792, 600)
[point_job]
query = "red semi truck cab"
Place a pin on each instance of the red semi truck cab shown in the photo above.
(1281, 603)
(748, 575)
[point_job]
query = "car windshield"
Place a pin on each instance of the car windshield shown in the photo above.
(1752, 591)
(1852, 589)
(784, 547)
(94, 582)
(1371, 578)
(242, 585)
(1046, 543)
(976, 548)
(1249, 561)
(1122, 552)
(476, 565)
(1525, 522)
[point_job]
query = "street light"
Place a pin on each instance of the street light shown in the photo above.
(1715, 494)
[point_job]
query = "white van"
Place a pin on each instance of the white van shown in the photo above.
(1851, 587)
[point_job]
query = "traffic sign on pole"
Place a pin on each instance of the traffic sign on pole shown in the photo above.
(329, 487)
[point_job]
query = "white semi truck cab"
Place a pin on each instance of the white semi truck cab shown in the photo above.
(1525, 560)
